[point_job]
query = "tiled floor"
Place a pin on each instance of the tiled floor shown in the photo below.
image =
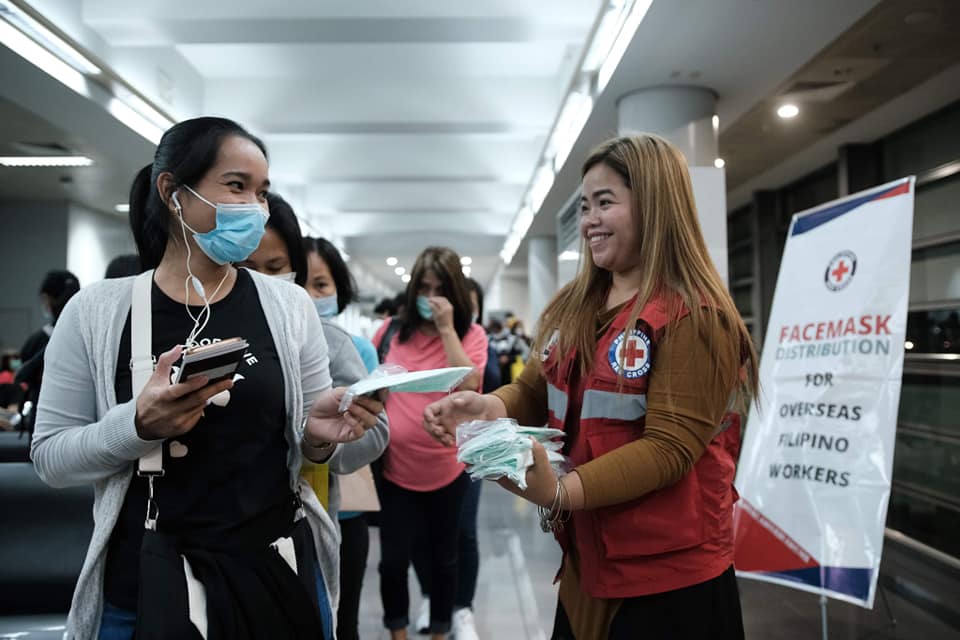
(516, 599)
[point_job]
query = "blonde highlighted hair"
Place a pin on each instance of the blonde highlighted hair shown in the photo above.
(671, 251)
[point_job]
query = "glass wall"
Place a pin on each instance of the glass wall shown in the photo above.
(925, 499)
(925, 503)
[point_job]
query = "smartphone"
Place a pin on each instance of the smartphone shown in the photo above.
(217, 361)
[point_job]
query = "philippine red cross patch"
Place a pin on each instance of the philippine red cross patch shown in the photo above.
(631, 354)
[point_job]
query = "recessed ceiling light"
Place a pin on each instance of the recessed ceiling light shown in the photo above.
(122, 208)
(466, 261)
(788, 111)
(399, 271)
(718, 163)
(392, 262)
(405, 277)
(45, 161)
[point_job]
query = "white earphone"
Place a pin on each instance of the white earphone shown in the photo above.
(176, 202)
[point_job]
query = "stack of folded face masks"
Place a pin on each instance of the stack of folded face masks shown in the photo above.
(502, 449)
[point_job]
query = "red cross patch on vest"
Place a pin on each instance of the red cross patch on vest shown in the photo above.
(631, 354)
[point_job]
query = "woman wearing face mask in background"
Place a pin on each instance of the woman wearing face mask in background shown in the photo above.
(230, 486)
(423, 484)
(468, 551)
(332, 288)
(285, 254)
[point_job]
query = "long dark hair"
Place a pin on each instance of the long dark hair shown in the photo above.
(342, 278)
(446, 264)
(187, 150)
(284, 221)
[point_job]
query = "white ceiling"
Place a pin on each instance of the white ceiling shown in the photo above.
(396, 125)
(741, 49)
(390, 125)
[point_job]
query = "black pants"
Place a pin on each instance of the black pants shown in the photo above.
(468, 552)
(354, 545)
(406, 515)
(706, 611)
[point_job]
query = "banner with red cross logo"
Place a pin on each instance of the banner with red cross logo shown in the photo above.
(817, 456)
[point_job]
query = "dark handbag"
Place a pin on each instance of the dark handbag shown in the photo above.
(163, 608)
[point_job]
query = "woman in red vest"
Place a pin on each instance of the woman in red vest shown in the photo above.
(637, 360)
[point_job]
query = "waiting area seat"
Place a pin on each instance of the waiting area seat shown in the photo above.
(42, 545)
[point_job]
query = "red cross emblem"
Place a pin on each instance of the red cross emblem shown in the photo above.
(840, 270)
(630, 354)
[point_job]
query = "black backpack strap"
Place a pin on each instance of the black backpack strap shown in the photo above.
(387, 337)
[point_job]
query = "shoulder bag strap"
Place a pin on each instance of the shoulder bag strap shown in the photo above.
(141, 361)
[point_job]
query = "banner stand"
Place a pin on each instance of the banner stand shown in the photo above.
(886, 605)
(823, 617)
(824, 630)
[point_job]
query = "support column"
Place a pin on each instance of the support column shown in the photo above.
(684, 116)
(541, 275)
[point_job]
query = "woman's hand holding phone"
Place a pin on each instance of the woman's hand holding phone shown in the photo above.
(167, 410)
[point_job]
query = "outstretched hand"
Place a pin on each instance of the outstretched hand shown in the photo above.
(325, 423)
(441, 418)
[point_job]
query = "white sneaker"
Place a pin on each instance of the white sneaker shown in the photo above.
(423, 618)
(464, 627)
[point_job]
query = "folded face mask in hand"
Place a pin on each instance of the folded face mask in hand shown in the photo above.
(501, 449)
(396, 379)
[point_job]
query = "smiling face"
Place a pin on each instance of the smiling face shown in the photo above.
(606, 220)
(240, 175)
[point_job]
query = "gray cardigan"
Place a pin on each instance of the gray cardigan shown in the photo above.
(346, 367)
(82, 436)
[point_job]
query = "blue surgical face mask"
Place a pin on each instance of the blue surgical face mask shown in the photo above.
(423, 308)
(237, 234)
(326, 306)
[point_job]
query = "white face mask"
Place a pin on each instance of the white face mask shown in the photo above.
(286, 277)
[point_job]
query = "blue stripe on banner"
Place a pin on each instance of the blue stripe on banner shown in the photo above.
(811, 221)
(852, 582)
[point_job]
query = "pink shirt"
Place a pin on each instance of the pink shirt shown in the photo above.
(414, 460)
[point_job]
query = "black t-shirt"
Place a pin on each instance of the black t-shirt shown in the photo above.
(227, 484)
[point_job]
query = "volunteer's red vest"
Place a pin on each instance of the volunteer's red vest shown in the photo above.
(674, 537)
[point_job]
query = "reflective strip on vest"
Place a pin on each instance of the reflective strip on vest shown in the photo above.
(613, 406)
(557, 402)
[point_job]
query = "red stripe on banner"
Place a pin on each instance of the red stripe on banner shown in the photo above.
(762, 546)
(896, 191)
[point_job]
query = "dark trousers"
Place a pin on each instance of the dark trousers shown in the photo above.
(468, 552)
(354, 545)
(406, 515)
(706, 611)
